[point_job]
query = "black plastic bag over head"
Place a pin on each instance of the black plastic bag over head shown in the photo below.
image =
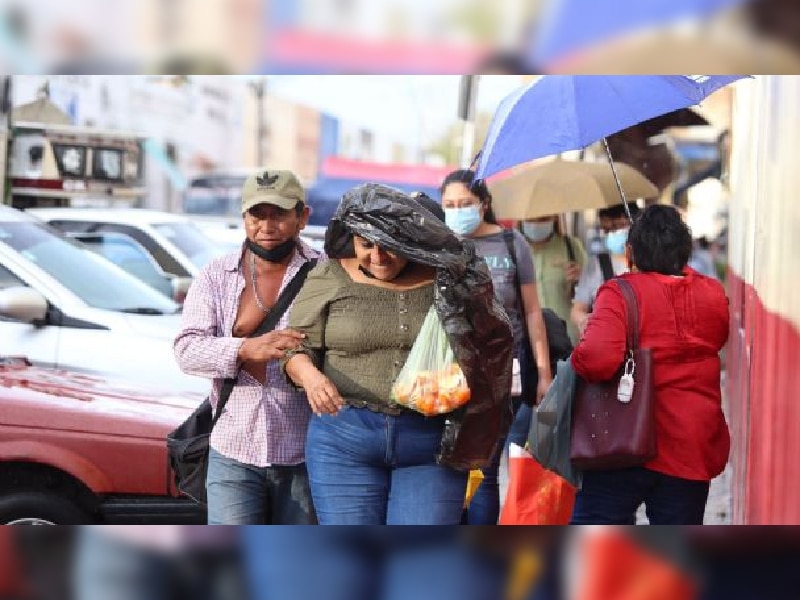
(476, 324)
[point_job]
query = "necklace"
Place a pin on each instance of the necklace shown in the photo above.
(263, 308)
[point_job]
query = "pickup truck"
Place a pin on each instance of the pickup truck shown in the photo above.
(77, 449)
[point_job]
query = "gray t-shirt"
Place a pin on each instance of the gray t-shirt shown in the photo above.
(492, 248)
(592, 278)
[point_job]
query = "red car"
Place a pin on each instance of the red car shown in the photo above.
(76, 449)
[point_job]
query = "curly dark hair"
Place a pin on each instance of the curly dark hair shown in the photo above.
(660, 241)
(475, 186)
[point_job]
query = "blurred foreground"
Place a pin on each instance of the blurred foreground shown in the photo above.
(421, 563)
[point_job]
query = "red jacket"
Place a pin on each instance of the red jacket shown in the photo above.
(684, 321)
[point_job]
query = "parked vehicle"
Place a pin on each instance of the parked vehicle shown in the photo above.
(131, 257)
(77, 450)
(177, 245)
(63, 306)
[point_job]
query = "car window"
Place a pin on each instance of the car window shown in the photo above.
(165, 260)
(190, 240)
(130, 257)
(90, 277)
(9, 280)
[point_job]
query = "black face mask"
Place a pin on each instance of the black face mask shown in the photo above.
(275, 255)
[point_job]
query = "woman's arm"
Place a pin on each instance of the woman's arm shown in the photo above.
(538, 337)
(579, 315)
(322, 395)
(602, 347)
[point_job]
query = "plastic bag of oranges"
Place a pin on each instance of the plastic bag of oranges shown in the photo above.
(431, 382)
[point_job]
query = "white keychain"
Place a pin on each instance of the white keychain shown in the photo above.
(625, 389)
(516, 379)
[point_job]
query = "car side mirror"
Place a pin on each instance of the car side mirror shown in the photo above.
(23, 304)
(180, 287)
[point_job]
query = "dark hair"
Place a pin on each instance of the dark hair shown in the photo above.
(505, 63)
(477, 187)
(618, 210)
(427, 202)
(661, 242)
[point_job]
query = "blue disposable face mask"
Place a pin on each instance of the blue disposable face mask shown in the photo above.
(616, 240)
(538, 232)
(463, 221)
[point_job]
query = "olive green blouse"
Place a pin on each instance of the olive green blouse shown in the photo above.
(358, 334)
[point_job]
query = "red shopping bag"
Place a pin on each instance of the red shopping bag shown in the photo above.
(535, 495)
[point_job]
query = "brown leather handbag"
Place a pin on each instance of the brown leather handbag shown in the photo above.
(613, 422)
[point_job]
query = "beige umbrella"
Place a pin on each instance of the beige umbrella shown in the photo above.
(551, 188)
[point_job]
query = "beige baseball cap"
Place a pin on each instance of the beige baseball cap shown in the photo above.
(278, 187)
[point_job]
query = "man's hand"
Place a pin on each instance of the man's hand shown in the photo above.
(323, 397)
(270, 346)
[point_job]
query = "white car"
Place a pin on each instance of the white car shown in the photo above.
(64, 306)
(175, 242)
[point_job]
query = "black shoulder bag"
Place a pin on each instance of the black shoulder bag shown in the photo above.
(558, 343)
(187, 446)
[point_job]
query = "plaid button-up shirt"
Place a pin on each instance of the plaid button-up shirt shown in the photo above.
(260, 425)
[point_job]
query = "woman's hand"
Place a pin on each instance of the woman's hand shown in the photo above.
(572, 272)
(323, 397)
(542, 386)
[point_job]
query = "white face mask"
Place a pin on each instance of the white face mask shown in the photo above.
(538, 232)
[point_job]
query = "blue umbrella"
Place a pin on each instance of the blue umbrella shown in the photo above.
(572, 25)
(559, 113)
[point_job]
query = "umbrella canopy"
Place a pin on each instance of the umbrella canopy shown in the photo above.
(558, 113)
(573, 25)
(564, 186)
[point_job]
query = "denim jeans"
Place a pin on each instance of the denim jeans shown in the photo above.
(485, 506)
(242, 494)
(613, 497)
(368, 563)
(369, 468)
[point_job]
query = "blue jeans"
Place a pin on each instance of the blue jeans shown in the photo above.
(612, 498)
(368, 468)
(242, 494)
(485, 506)
(368, 563)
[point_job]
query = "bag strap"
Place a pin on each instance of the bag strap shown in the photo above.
(604, 258)
(268, 324)
(508, 238)
(632, 311)
(570, 249)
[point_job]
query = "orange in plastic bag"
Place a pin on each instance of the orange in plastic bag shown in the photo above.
(431, 382)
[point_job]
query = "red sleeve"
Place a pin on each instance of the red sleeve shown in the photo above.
(602, 347)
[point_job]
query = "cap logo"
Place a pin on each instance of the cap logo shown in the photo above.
(265, 180)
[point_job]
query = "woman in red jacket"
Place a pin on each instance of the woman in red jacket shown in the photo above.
(683, 319)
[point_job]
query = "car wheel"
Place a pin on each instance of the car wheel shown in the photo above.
(39, 508)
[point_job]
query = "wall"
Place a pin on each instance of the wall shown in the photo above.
(764, 287)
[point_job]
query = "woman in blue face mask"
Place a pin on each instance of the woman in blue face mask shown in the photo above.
(558, 259)
(468, 212)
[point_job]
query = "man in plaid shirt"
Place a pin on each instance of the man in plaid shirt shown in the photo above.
(256, 472)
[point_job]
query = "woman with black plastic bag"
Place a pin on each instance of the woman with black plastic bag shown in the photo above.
(468, 212)
(370, 459)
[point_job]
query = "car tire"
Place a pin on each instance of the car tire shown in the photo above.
(40, 508)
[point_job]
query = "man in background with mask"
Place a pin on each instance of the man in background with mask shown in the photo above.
(605, 264)
(558, 259)
(256, 471)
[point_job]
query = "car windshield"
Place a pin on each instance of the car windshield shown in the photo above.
(87, 275)
(189, 239)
